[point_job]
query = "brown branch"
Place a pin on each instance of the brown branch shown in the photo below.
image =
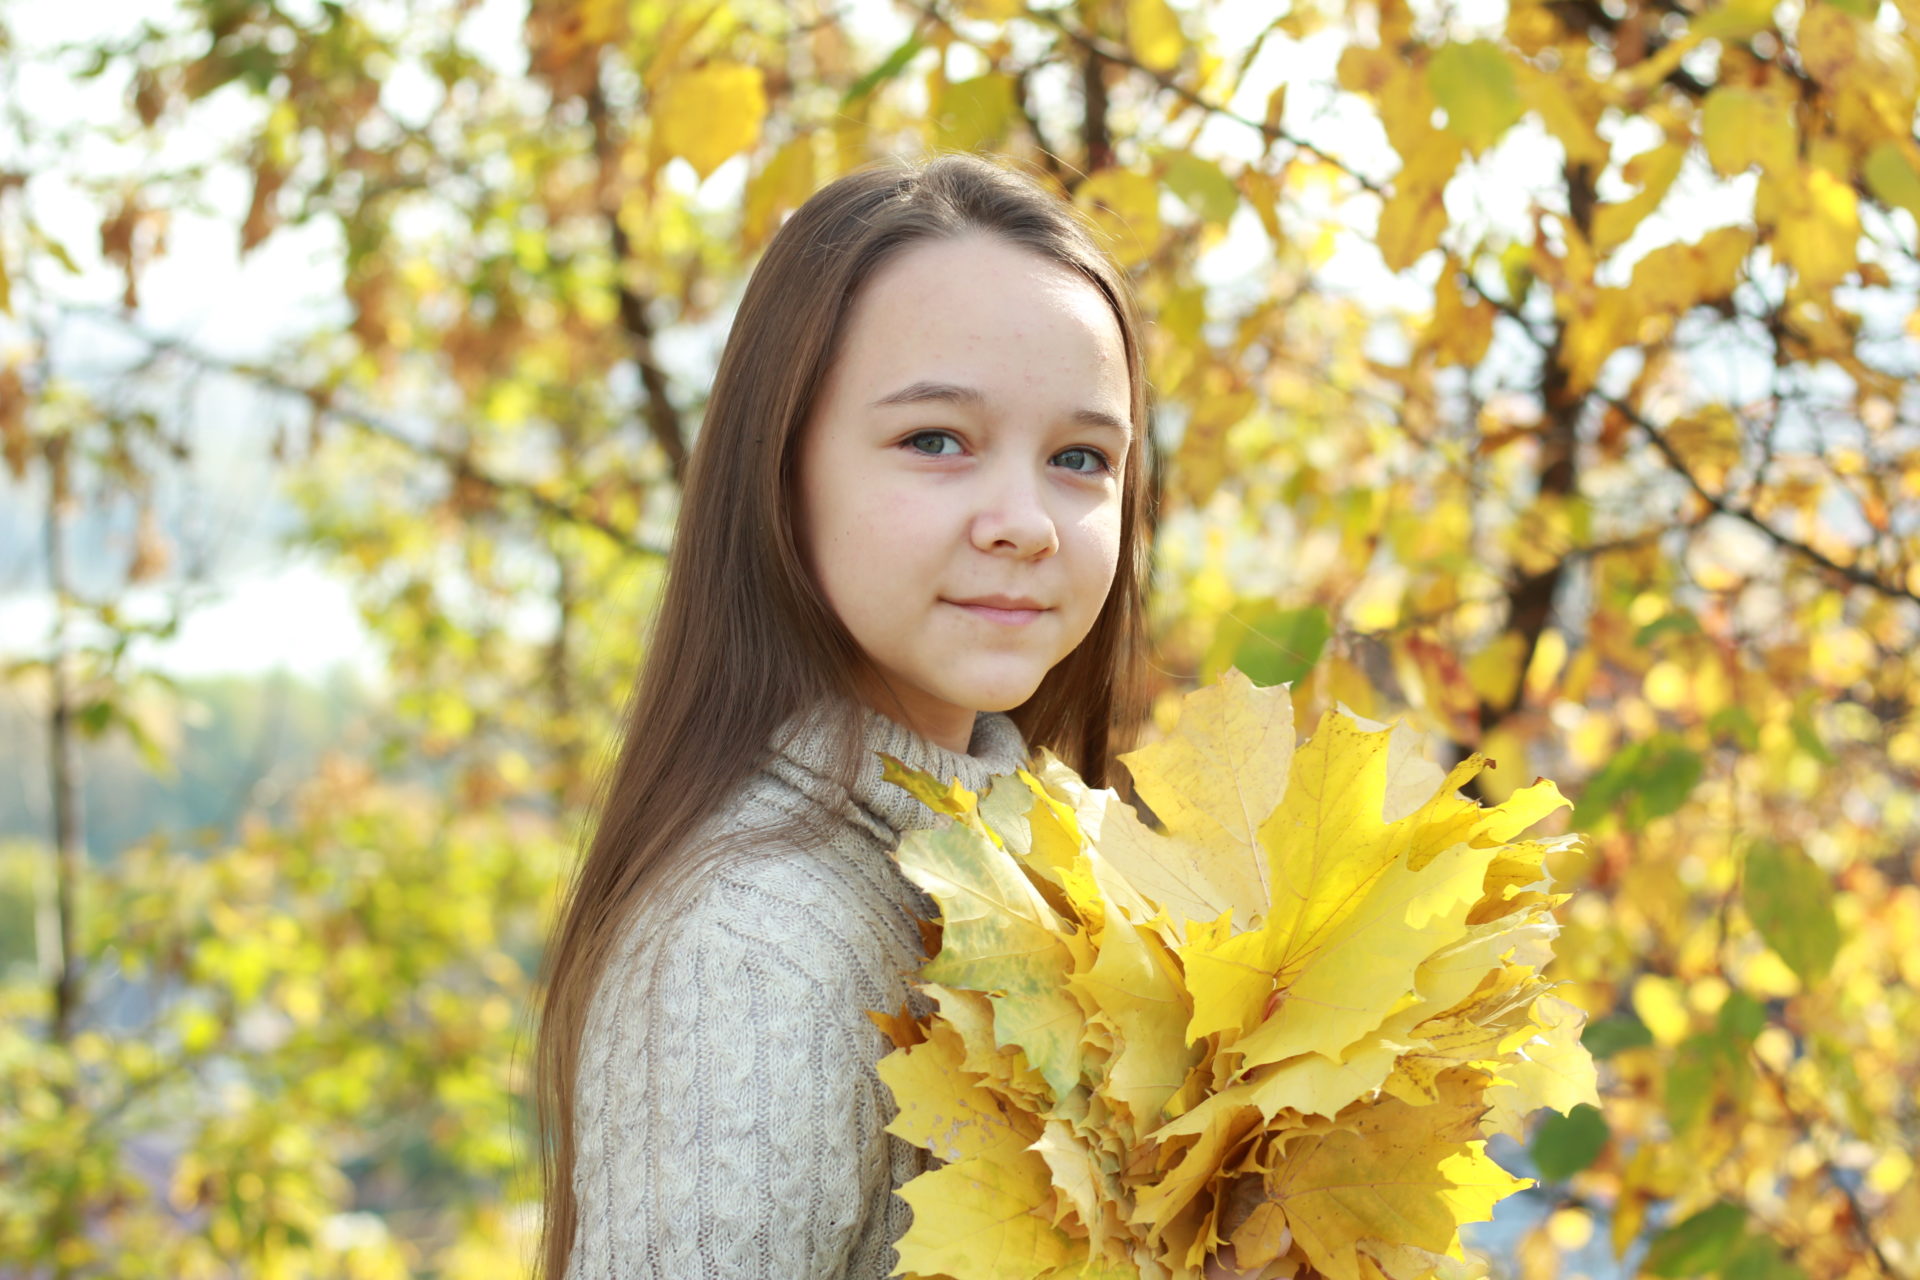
(663, 420)
(1269, 134)
(1857, 1212)
(1104, 51)
(1098, 139)
(1747, 515)
(458, 464)
(1049, 158)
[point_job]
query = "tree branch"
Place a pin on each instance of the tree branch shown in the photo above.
(457, 464)
(1719, 503)
(663, 420)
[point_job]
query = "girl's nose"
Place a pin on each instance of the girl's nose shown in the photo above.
(1013, 516)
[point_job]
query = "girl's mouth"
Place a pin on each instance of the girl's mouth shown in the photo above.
(1006, 617)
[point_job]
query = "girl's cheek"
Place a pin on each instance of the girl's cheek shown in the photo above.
(896, 509)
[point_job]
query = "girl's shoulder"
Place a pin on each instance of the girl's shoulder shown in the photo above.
(773, 899)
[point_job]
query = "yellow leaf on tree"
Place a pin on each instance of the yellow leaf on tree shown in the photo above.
(992, 10)
(1202, 459)
(1742, 128)
(1495, 670)
(1666, 283)
(1869, 74)
(1817, 217)
(1460, 331)
(709, 114)
(1473, 81)
(1708, 442)
(1415, 214)
(1153, 33)
(1125, 208)
(1893, 176)
(975, 113)
(1569, 109)
(1653, 172)
(784, 184)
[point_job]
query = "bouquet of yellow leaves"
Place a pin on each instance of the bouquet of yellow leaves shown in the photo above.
(1290, 1022)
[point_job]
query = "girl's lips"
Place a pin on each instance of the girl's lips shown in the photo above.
(1006, 617)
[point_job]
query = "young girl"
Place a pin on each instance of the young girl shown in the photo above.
(912, 525)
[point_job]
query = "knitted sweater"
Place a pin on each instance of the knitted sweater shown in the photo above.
(729, 1120)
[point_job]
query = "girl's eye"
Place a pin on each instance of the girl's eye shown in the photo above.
(925, 435)
(1101, 466)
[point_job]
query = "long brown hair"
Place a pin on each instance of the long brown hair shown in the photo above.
(743, 637)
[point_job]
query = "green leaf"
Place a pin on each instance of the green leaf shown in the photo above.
(975, 113)
(1564, 1145)
(1474, 84)
(1700, 1245)
(1202, 186)
(38, 234)
(1760, 1258)
(1735, 19)
(1790, 901)
(892, 65)
(95, 717)
(1614, 1033)
(1274, 646)
(1742, 1017)
(1809, 740)
(1682, 624)
(149, 747)
(1704, 1066)
(1690, 1078)
(1647, 780)
(1891, 178)
(1738, 724)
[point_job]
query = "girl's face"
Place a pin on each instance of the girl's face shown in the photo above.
(968, 441)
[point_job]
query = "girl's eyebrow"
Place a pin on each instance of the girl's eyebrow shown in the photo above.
(924, 392)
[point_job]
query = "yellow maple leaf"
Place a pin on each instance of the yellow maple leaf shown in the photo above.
(1287, 1021)
(944, 1109)
(1397, 1176)
(1211, 785)
(999, 935)
(709, 114)
(983, 1217)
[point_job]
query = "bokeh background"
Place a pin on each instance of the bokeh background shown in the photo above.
(1538, 372)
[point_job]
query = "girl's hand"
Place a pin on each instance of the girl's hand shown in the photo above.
(1222, 1266)
(1241, 1199)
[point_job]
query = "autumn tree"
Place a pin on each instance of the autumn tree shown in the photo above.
(1540, 376)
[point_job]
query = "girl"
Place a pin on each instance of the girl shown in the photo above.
(912, 525)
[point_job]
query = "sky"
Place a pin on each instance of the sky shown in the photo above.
(274, 609)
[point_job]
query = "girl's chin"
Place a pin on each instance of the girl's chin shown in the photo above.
(990, 695)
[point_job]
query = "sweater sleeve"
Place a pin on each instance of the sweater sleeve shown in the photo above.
(730, 1125)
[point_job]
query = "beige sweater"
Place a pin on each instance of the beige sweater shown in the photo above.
(730, 1123)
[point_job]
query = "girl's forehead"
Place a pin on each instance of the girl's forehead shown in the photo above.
(983, 303)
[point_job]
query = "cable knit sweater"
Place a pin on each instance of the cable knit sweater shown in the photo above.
(729, 1119)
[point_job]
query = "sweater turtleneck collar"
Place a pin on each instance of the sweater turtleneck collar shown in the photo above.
(801, 746)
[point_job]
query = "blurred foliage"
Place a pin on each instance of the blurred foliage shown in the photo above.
(1618, 482)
